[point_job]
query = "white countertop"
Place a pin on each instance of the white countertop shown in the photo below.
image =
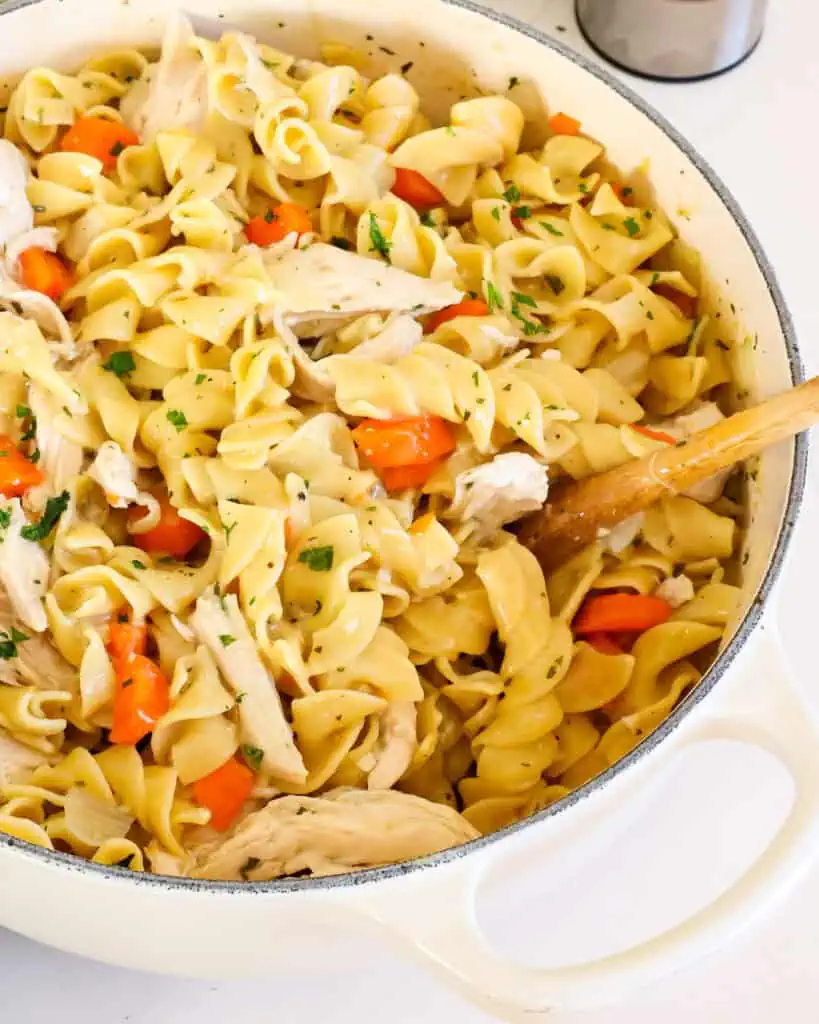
(756, 127)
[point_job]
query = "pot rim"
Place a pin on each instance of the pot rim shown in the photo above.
(72, 862)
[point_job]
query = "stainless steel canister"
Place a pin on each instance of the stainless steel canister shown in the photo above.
(673, 39)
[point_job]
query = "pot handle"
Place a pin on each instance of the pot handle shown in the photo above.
(441, 924)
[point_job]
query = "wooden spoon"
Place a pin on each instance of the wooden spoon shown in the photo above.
(577, 510)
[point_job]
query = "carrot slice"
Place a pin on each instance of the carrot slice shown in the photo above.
(409, 441)
(562, 124)
(278, 223)
(98, 137)
(612, 613)
(44, 271)
(399, 478)
(172, 535)
(686, 304)
(467, 307)
(655, 435)
(127, 639)
(604, 643)
(142, 698)
(422, 523)
(224, 792)
(414, 189)
(17, 473)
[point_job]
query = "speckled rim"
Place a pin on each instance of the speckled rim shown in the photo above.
(71, 862)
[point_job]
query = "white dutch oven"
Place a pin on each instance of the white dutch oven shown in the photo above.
(204, 928)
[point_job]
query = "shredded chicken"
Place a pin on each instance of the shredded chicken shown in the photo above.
(23, 567)
(397, 339)
(677, 590)
(499, 492)
(707, 414)
(173, 94)
(342, 830)
(219, 624)
(38, 662)
(116, 474)
(16, 214)
(16, 760)
(61, 459)
(619, 537)
(323, 286)
(397, 742)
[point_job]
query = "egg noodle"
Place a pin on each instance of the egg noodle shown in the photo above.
(309, 355)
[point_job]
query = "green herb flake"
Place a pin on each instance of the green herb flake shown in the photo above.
(521, 212)
(177, 419)
(225, 639)
(649, 314)
(53, 510)
(8, 643)
(426, 219)
(120, 363)
(270, 216)
(340, 243)
(627, 191)
(512, 194)
(200, 379)
(523, 300)
(555, 283)
(22, 411)
(496, 213)
(253, 755)
(138, 565)
(117, 148)
(378, 243)
(475, 378)
(493, 297)
(631, 225)
(318, 559)
(240, 697)
(550, 228)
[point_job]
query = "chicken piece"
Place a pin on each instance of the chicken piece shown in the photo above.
(116, 474)
(499, 492)
(618, 538)
(707, 414)
(172, 95)
(677, 590)
(61, 459)
(396, 339)
(323, 286)
(16, 214)
(24, 567)
(38, 662)
(342, 830)
(397, 743)
(219, 625)
(17, 761)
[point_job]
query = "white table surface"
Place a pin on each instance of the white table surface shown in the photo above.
(756, 126)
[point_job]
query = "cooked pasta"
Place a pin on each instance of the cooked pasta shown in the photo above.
(281, 364)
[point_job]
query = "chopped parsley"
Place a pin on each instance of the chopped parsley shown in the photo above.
(177, 418)
(555, 283)
(22, 411)
(426, 219)
(493, 297)
(120, 363)
(582, 187)
(318, 559)
(270, 216)
(521, 212)
(627, 191)
(523, 300)
(512, 194)
(138, 565)
(530, 327)
(240, 697)
(53, 510)
(225, 639)
(8, 643)
(631, 225)
(253, 755)
(229, 528)
(550, 228)
(117, 148)
(200, 379)
(378, 243)
(340, 243)
(649, 314)
(496, 212)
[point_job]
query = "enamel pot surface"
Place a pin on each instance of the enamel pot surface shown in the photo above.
(428, 906)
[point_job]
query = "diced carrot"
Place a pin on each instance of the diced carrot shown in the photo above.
(44, 271)
(623, 192)
(655, 435)
(279, 222)
(466, 307)
(172, 535)
(407, 441)
(399, 478)
(99, 137)
(142, 698)
(422, 523)
(224, 792)
(687, 304)
(127, 639)
(414, 189)
(562, 124)
(605, 643)
(613, 613)
(17, 473)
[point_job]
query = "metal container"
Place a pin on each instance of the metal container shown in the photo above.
(679, 40)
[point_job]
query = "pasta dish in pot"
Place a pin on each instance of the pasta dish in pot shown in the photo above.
(281, 365)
